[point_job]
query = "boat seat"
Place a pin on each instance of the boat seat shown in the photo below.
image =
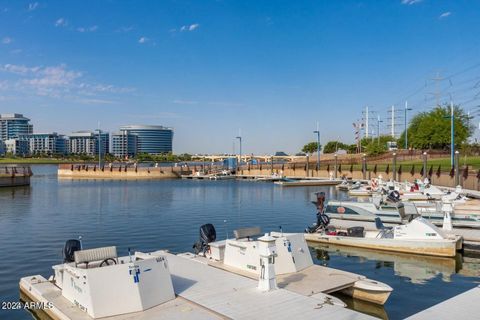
(379, 224)
(247, 232)
(385, 232)
(97, 254)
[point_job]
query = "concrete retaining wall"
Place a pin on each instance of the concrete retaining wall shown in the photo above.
(14, 176)
(444, 179)
(118, 173)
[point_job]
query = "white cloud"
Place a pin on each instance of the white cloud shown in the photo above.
(61, 22)
(32, 6)
(410, 2)
(18, 69)
(178, 101)
(96, 101)
(444, 15)
(57, 82)
(191, 27)
(87, 29)
(143, 40)
(226, 104)
(7, 40)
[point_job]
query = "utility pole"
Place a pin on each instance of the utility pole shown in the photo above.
(452, 134)
(317, 132)
(406, 131)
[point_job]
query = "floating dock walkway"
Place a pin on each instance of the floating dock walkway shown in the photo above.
(203, 292)
(463, 306)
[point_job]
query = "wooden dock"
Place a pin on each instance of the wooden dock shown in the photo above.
(308, 182)
(463, 306)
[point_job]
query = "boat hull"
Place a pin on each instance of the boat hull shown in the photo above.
(370, 291)
(441, 248)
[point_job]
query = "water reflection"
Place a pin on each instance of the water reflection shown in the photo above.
(418, 269)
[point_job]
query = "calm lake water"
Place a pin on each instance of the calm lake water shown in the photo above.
(151, 215)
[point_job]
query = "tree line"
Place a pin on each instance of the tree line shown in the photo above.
(428, 130)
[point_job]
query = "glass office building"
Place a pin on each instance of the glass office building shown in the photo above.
(12, 125)
(87, 142)
(124, 144)
(151, 139)
(45, 143)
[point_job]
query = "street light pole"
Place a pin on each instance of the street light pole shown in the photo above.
(240, 160)
(452, 134)
(317, 132)
(406, 132)
(99, 146)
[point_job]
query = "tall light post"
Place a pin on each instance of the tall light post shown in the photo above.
(240, 142)
(452, 134)
(378, 130)
(99, 148)
(317, 132)
(406, 132)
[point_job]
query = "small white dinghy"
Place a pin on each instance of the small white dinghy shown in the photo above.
(418, 236)
(294, 268)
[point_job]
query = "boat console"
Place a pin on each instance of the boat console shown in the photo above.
(291, 253)
(102, 284)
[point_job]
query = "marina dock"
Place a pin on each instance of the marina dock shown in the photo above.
(203, 292)
(463, 306)
(308, 183)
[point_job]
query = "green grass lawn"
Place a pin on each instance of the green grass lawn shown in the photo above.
(33, 161)
(472, 162)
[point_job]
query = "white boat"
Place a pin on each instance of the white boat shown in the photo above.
(466, 212)
(293, 264)
(102, 284)
(418, 236)
(224, 175)
(271, 178)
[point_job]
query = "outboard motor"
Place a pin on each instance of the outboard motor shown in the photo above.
(394, 196)
(69, 249)
(322, 219)
(320, 202)
(207, 235)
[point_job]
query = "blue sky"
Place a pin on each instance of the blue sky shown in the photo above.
(210, 68)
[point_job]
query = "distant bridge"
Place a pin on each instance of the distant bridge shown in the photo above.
(245, 158)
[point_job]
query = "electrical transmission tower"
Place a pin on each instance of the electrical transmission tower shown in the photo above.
(369, 120)
(437, 93)
(395, 117)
